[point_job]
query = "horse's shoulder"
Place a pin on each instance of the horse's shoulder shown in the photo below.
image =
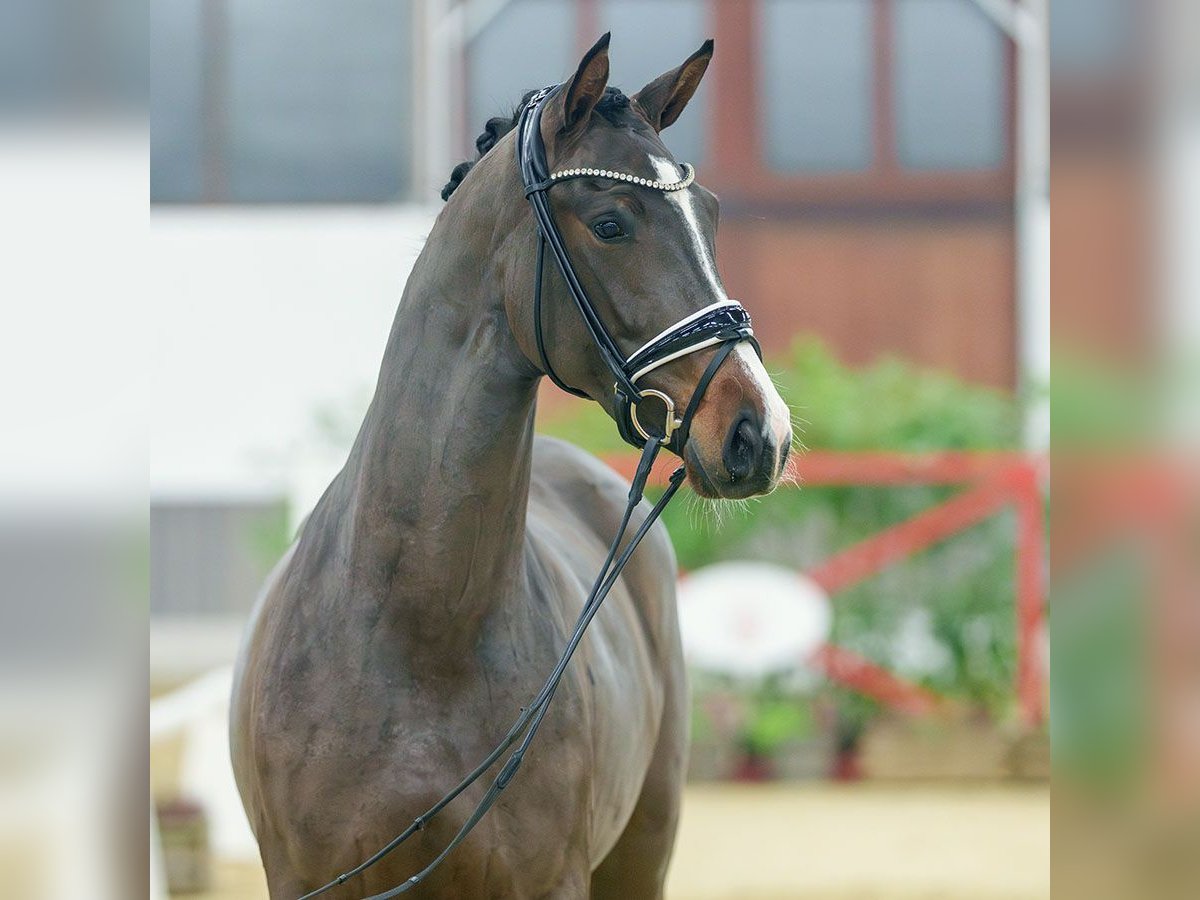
(566, 475)
(559, 463)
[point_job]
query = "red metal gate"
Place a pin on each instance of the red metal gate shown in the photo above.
(991, 483)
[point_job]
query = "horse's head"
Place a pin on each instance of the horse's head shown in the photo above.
(646, 260)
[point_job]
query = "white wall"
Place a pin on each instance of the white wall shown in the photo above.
(261, 317)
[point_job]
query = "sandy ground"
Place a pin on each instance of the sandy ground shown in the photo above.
(829, 842)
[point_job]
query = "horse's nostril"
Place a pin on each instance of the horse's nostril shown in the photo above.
(742, 449)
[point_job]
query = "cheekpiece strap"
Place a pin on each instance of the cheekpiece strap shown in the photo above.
(723, 323)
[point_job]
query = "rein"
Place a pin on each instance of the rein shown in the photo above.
(723, 324)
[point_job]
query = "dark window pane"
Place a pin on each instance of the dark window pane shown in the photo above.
(212, 558)
(816, 80)
(320, 100)
(124, 57)
(175, 101)
(31, 49)
(650, 37)
(1090, 37)
(529, 44)
(950, 86)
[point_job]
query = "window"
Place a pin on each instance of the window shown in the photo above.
(281, 101)
(817, 75)
(878, 95)
(949, 86)
(211, 558)
(176, 93)
(529, 45)
(55, 57)
(533, 43)
(1091, 37)
(650, 37)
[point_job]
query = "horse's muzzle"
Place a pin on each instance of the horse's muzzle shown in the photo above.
(749, 464)
(749, 456)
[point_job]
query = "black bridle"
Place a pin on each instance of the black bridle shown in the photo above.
(723, 325)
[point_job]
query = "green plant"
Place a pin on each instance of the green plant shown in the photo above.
(267, 536)
(775, 717)
(964, 585)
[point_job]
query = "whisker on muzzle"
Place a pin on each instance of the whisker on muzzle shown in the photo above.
(791, 474)
(712, 513)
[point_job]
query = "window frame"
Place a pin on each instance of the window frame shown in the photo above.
(216, 141)
(739, 151)
(588, 17)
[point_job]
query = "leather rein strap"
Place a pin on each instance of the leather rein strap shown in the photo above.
(723, 325)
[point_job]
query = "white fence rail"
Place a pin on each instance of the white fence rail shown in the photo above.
(198, 713)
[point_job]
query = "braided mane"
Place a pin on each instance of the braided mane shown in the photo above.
(612, 107)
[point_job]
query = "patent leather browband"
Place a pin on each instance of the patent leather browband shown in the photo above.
(641, 413)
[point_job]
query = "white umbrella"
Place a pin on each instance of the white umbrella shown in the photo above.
(751, 618)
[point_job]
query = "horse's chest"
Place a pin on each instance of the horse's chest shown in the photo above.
(384, 740)
(582, 776)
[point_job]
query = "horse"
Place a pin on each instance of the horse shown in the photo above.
(437, 578)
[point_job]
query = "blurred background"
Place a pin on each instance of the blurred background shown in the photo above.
(871, 719)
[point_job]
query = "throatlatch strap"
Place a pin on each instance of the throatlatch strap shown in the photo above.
(537, 320)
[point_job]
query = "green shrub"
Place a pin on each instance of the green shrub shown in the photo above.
(953, 602)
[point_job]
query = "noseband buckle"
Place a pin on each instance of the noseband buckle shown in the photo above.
(669, 424)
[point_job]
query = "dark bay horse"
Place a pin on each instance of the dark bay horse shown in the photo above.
(432, 587)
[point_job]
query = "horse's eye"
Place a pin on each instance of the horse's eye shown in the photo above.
(606, 231)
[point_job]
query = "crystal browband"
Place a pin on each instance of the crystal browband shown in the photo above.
(689, 175)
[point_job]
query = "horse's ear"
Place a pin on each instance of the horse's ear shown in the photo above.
(663, 99)
(587, 87)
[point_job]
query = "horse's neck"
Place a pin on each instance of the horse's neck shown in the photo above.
(441, 467)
